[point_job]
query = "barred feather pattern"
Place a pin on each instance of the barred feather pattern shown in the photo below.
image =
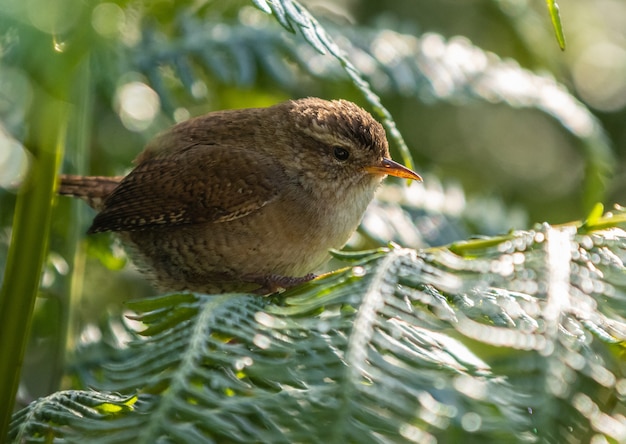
(92, 189)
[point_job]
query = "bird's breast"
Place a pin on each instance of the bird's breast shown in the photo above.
(318, 223)
(289, 236)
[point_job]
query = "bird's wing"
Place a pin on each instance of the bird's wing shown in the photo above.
(201, 183)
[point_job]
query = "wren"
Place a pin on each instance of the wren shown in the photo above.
(244, 200)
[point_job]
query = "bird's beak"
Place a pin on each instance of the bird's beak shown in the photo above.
(393, 168)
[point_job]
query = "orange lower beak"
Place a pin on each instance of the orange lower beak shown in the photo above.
(393, 168)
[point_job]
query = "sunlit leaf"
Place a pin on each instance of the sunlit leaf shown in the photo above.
(553, 9)
(513, 343)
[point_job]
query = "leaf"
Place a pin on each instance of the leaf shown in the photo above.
(553, 9)
(54, 415)
(595, 214)
(427, 67)
(513, 343)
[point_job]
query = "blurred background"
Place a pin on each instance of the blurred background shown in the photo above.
(507, 129)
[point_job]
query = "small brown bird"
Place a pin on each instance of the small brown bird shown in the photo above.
(244, 200)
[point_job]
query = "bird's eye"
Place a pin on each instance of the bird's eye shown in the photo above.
(341, 153)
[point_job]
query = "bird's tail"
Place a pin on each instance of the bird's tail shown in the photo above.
(91, 189)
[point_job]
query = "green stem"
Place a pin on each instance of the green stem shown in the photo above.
(78, 133)
(28, 248)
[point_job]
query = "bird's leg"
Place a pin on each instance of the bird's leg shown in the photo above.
(275, 282)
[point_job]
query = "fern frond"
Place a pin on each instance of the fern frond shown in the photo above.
(427, 67)
(511, 339)
(68, 414)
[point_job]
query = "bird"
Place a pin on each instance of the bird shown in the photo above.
(244, 200)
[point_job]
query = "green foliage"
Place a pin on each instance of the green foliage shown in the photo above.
(513, 340)
(504, 338)
(31, 224)
(429, 68)
(553, 8)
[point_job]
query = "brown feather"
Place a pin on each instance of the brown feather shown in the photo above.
(189, 187)
(241, 199)
(92, 189)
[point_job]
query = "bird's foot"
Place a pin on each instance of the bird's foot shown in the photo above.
(275, 282)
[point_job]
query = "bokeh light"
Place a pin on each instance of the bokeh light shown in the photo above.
(108, 19)
(600, 76)
(14, 162)
(137, 105)
(53, 16)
